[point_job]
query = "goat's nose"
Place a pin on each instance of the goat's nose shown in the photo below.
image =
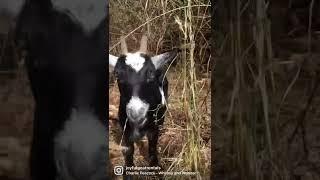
(133, 114)
(136, 114)
(136, 109)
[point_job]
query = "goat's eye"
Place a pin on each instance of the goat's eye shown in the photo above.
(119, 75)
(116, 74)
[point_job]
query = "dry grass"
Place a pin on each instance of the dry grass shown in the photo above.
(185, 142)
(259, 103)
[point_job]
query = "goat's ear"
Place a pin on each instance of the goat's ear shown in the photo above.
(112, 60)
(160, 60)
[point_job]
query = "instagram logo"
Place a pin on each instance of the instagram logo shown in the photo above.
(118, 170)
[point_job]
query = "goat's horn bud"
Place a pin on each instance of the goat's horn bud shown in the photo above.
(124, 48)
(143, 44)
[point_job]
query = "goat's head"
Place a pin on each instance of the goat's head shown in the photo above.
(140, 79)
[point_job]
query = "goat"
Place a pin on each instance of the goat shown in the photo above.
(143, 90)
(66, 65)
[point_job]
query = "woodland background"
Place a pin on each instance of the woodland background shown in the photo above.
(266, 89)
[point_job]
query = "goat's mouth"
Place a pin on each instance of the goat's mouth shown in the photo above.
(140, 122)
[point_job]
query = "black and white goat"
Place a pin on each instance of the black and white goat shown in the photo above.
(66, 63)
(143, 92)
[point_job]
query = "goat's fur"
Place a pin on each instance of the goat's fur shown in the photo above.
(143, 95)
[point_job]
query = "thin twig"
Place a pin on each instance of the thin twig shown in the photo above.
(154, 18)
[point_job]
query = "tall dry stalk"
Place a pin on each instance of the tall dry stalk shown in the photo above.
(192, 150)
(248, 107)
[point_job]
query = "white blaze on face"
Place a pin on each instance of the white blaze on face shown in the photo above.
(88, 13)
(135, 61)
(137, 109)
